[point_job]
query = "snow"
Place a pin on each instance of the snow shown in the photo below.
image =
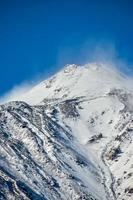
(69, 128)
(91, 80)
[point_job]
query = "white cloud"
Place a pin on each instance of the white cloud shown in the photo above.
(16, 93)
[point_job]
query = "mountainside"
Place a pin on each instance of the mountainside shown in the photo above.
(69, 138)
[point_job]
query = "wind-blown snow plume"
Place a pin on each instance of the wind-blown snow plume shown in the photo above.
(16, 93)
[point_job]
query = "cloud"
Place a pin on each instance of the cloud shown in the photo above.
(94, 50)
(89, 51)
(16, 93)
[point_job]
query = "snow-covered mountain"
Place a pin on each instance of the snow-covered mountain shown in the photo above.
(69, 138)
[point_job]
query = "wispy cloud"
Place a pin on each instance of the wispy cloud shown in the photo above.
(94, 50)
(16, 93)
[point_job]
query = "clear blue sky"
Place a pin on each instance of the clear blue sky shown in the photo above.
(36, 36)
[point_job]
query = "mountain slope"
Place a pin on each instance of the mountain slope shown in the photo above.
(89, 80)
(70, 137)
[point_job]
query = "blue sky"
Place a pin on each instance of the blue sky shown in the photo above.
(39, 36)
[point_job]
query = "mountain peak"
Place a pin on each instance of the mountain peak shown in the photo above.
(73, 80)
(70, 67)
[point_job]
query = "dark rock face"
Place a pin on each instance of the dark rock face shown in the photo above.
(114, 153)
(95, 138)
(69, 108)
(35, 152)
(129, 190)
